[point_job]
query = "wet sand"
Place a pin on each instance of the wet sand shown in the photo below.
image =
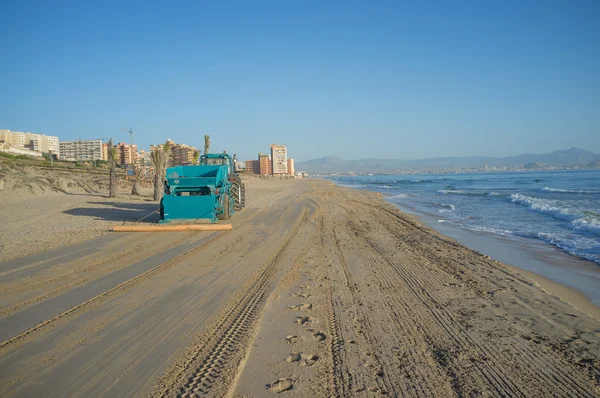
(570, 278)
(319, 291)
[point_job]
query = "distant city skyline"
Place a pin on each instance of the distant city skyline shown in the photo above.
(351, 80)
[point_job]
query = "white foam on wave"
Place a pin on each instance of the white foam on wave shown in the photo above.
(587, 225)
(546, 206)
(579, 220)
(496, 231)
(579, 246)
(560, 190)
(399, 196)
(447, 208)
(353, 185)
(473, 192)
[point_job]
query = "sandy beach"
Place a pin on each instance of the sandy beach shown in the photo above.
(318, 291)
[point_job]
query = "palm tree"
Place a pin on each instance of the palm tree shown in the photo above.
(195, 157)
(138, 168)
(112, 163)
(206, 144)
(159, 157)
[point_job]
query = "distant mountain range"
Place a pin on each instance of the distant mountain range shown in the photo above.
(329, 164)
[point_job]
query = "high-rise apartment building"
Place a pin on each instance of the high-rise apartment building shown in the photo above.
(126, 153)
(144, 158)
(180, 154)
(42, 143)
(279, 159)
(13, 138)
(252, 166)
(277, 163)
(86, 150)
(265, 166)
(36, 142)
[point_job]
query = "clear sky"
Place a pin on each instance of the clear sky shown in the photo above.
(352, 79)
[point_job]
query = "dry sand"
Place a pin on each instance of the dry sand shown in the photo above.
(41, 209)
(318, 291)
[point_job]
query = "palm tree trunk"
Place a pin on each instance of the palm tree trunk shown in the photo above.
(206, 144)
(135, 190)
(137, 175)
(112, 179)
(112, 182)
(158, 186)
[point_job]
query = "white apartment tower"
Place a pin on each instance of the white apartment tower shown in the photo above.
(86, 150)
(42, 143)
(279, 159)
(13, 138)
(36, 142)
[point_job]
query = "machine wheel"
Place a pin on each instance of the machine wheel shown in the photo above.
(162, 209)
(226, 212)
(238, 188)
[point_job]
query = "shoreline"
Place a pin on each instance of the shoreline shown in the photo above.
(573, 296)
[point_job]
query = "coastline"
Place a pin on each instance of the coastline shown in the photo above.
(527, 260)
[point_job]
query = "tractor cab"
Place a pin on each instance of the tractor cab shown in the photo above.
(217, 159)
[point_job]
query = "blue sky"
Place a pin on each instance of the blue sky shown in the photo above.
(350, 79)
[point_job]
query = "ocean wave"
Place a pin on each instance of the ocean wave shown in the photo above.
(463, 192)
(398, 182)
(480, 228)
(445, 208)
(546, 206)
(399, 196)
(495, 231)
(580, 247)
(559, 190)
(579, 220)
(587, 225)
(353, 185)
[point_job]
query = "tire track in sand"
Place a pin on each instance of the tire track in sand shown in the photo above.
(560, 378)
(94, 301)
(209, 366)
(548, 372)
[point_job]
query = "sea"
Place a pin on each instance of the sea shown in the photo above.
(555, 208)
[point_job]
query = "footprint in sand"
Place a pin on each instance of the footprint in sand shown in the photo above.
(309, 359)
(303, 306)
(300, 294)
(295, 357)
(319, 336)
(302, 320)
(291, 339)
(281, 385)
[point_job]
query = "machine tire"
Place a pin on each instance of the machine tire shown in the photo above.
(239, 194)
(226, 212)
(162, 209)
